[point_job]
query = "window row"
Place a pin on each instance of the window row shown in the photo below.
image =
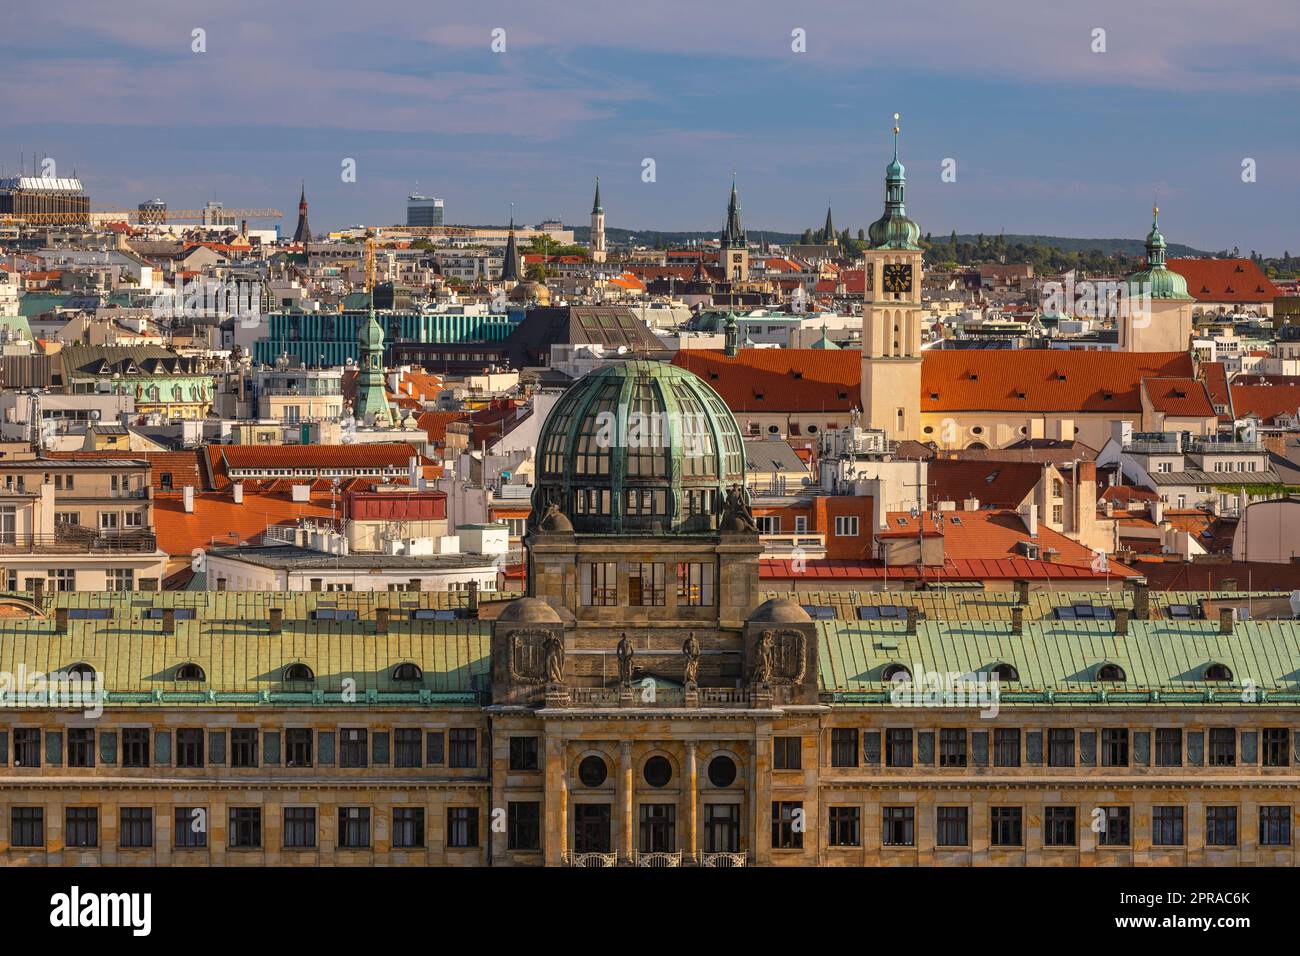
(299, 827)
(598, 584)
(1112, 824)
(239, 747)
(1061, 747)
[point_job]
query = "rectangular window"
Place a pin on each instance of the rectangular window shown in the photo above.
(189, 747)
(27, 826)
(898, 747)
(1169, 747)
(462, 827)
(135, 747)
(1114, 747)
(646, 585)
(1006, 825)
(524, 825)
(1060, 826)
(844, 747)
(408, 828)
(354, 827)
(353, 747)
(1274, 826)
(1118, 830)
(786, 835)
(462, 743)
(694, 584)
(1220, 826)
(951, 826)
(135, 828)
(243, 747)
(81, 826)
(786, 753)
(1277, 753)
(952, 747)
(845, 826)
(300, 827)
(245, 828)
(722, 828)
(768, 524)
(406, 746)
(27, 747)
(1223, 747)
(523, 753)
(899, 826)
(81, 747)
(1006, 747)
(598, 583)
(846, 526)
(190, 830)
(297, 747)
(120, 579)
(1060, 748)
(658, 828)
(1167, 826)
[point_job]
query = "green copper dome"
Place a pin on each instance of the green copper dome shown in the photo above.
(639, 446)
(894, 230)
(1157, 280)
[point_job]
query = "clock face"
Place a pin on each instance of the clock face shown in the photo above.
(897, 277)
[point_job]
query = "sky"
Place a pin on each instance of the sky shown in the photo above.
(1049, 134)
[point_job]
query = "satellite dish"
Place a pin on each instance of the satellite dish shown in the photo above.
(94, 414)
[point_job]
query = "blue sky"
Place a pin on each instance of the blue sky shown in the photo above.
(1048, 136)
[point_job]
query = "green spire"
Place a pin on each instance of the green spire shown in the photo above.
(1157, 279)
(371, 405)
(596, 206)
(894, 230)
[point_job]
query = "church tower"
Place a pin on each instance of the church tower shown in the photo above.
(891, 315)
(303, 232)
(1156, 314)
(370, 406)
(597, 227)
(734, 257)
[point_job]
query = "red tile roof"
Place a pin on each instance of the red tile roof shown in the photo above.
(1265, 401)
(780, 380)
(184, 467)
(1042, 380)
(380, 455)
(1215, 376)
(1180, 397)
(1225, 280)
(217, 521)
(997, 484)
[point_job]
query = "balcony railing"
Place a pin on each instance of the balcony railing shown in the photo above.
(721, 860)
(810, 547)
(657, 859)
(1208, 447)
(79, 541)
(591, 859)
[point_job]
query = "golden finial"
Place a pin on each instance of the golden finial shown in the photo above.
(895, 124)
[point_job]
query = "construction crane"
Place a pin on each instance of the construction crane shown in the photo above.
(368, 259)
(144, 216)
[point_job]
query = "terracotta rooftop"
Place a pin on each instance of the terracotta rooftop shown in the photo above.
(1265, 401)
(1180, 397)
(997, 484)
(1225, 280)
(780, 380)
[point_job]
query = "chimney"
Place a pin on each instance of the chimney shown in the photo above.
(1017, 620)
(187, 497)
(1121, 621)
(473, 598)
(1227, 584)
(237, 492)
(169, 620)
(413, 584)
(1031, 520)
(61, 620)
(971, 504)
(1226, 617)
(38, 590)
(276, 619)
(1141, 601)
(911, 620)
(1022, 592)
(381, 620)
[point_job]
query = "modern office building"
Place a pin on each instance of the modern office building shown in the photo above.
(423, 211)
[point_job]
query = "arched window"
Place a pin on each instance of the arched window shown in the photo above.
(407, 671)
(895, 671)
(82, 671)
(1217, 671)
(191, 672)
(298, 672)
(1004, 672)
(1111, 672)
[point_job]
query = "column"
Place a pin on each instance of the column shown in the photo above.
(626, 830)
(760, 790)
(692, 803)
(555, 803)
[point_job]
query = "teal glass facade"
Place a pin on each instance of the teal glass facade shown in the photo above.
(330, 338)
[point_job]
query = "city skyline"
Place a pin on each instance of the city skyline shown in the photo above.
(1052, 139)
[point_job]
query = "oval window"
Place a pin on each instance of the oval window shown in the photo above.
(722, 771)
(658, 771)
(592, 771)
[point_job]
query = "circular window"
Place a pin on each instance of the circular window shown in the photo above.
(928, 429)
(722, 771)
(658, 771)
(812, 429)
(772, 429)
(592, 771)
(978, 429)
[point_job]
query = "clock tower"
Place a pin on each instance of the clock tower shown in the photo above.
(891, 315)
